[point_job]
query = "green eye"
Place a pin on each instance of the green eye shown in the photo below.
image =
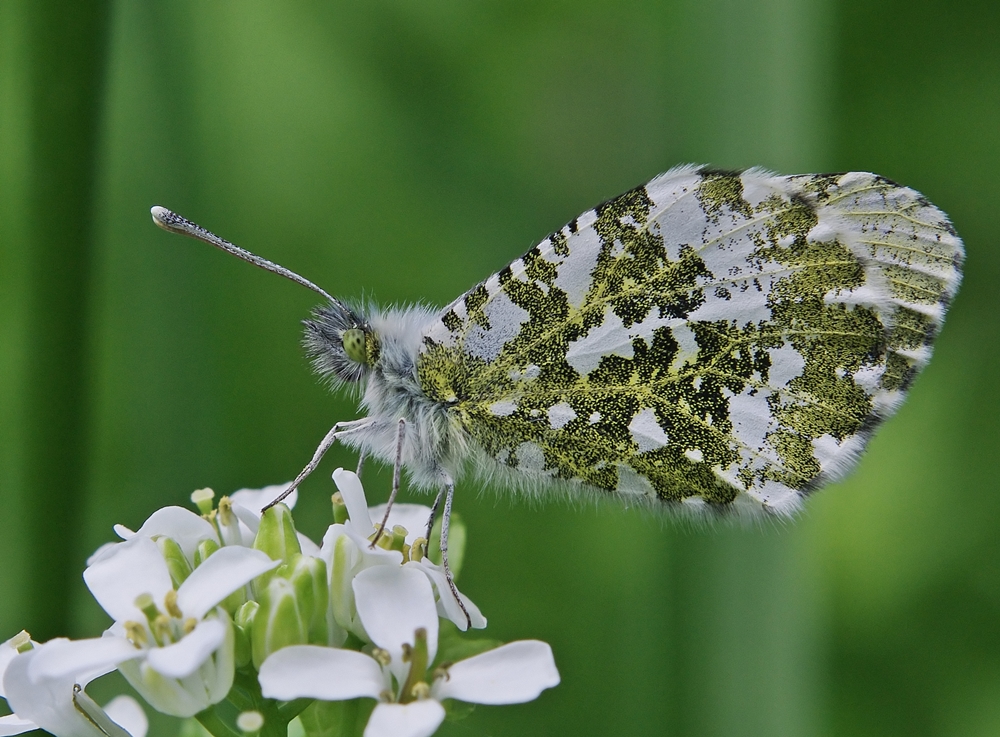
(354, 345)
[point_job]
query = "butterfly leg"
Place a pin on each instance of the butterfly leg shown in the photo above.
(397, 467)
(341, 428)
(445, 521)
(433, 514)
(361, 464)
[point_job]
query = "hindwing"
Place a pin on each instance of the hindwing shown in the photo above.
(710, 338)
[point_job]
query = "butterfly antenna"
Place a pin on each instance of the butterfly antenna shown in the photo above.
(173, 222)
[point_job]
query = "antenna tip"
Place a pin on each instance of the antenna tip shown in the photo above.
(166, 219)
(161, 215)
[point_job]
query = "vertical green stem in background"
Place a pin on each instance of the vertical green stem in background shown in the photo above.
(748, 638)
(65, 55)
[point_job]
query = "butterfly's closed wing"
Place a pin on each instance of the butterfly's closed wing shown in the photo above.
(719, 339)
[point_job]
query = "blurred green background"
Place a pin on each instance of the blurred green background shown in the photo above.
(405, 149)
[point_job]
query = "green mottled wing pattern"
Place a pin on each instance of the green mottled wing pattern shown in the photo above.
(714, 340)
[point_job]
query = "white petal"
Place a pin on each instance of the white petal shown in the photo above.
(81, 661)
(256, 499)
(393, 602)
(308, 546)
(46, 699)
(411, 516)
(13, 724)
(371, 556)
(447, 605)
(310, 671)
(248, 517)
(104, 551)
(417, 719)
(132, 568)
(185, 657)
(99, 718)
(353, 493)
(127, 714)
(7, 653)
(510, 674)
(222, 573)
(181, 525)
(167, 695)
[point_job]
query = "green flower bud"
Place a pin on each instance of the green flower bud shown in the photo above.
(205, 548)
(276, 537)
(177, 562)
(245, 615)
(308, 577)
(278, 622)
(243, 622)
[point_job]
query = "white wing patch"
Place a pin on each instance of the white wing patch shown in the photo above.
(646, 431)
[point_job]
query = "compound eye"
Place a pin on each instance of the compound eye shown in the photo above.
(354, 345)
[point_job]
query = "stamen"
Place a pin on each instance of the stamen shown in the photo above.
(170, 604)
(136, 634)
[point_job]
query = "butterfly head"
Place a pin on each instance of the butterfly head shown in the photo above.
(342, 345)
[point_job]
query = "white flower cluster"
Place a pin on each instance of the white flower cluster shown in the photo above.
(231, 608)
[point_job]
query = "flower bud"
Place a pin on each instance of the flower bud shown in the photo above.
(205, 548)
(278, 622)
(312, 592)
(243, 623)
(276, 537)
(177, 562)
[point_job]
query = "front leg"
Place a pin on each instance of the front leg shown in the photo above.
(338, 430)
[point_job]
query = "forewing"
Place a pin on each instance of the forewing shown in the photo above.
(729, 339)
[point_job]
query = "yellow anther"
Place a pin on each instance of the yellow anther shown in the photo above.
(226, 515)
(420, 690)
(136, 633)
(418, 549)
(170, 604)
(162, 630)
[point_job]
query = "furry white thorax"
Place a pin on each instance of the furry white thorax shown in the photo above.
(434, 445)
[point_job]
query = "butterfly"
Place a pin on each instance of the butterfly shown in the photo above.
(710, 343)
